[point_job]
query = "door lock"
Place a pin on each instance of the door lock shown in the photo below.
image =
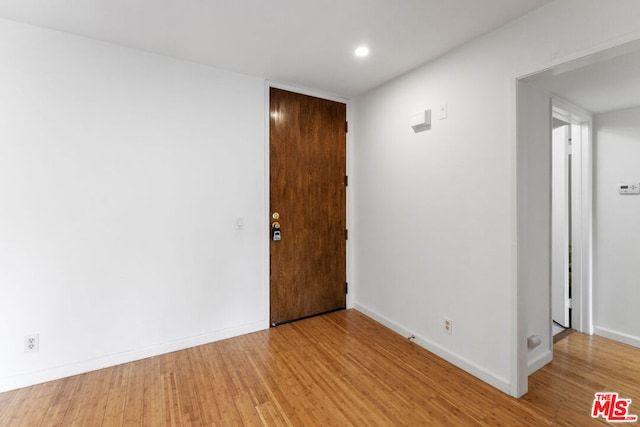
(276, 233)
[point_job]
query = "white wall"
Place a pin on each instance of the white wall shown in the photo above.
(616, 285)
(534, 217)
(121, 176)
(127, 170)
(435, 212)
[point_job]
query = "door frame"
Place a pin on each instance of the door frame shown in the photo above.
(561, 160)
(581, 123)
(266, 224)
(519, 324)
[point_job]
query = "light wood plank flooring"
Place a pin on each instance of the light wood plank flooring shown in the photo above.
(339, 369)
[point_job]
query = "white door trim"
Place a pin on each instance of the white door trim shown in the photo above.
(582, 211)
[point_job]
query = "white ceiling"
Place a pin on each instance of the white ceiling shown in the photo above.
(599, 83)
(302, 42)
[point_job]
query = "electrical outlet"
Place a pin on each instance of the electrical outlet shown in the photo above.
(31, 343)
(447, 325)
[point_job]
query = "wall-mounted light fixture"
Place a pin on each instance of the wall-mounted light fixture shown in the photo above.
(421, 121)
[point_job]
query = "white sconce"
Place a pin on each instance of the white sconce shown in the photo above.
(421, 121)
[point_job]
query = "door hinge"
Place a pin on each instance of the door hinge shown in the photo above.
(346, 127)
(570, 303)
(346, 288)
(346, 181)
(346, 234)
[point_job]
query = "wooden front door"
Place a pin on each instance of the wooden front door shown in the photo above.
(308, 204)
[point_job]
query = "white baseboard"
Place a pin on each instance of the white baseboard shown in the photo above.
(539, 361)
(32, 378)
(492, 379)
(617, 336)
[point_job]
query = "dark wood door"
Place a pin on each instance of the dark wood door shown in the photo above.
(308, 203)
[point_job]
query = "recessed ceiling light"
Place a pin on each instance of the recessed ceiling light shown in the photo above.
(362, 51)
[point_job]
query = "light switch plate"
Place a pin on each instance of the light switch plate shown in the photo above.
(443, 111)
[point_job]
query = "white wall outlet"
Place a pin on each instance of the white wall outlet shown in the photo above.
(31, 343)
(447, 325)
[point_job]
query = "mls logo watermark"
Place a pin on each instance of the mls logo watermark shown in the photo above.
(612, 408)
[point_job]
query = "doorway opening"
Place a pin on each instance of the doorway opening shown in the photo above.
(560, 225)
(599, 82)
(571, 207)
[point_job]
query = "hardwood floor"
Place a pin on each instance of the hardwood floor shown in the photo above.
(335, 370)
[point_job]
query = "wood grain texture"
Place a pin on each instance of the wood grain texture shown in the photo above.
(339, 369)
(307, 189)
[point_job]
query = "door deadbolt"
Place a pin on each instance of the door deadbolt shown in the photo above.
(275, 215)
(276, 234)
